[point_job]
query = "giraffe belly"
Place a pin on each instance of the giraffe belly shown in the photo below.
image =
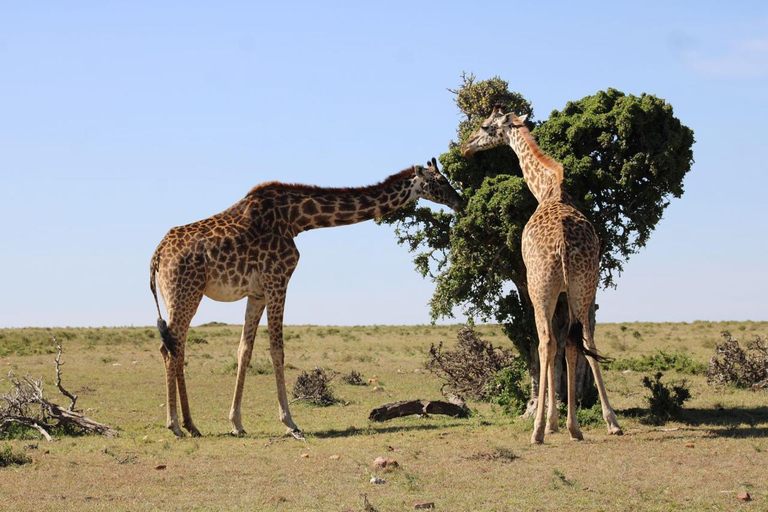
(225, 289)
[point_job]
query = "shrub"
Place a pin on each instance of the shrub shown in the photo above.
(510, 388)
(470, 367)
(731, 364)
(9, 457)
(665, 403)
(353, 378)
(314, 388)
(660, 362)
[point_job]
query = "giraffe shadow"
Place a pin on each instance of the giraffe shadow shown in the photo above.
(733, 422)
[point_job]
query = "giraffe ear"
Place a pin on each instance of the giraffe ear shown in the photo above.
(419, 170)
(523, 118)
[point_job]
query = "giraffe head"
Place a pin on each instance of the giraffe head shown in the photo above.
(493, 132)
(431, 184)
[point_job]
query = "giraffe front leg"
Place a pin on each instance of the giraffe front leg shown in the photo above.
(275, 305)
(253, 312)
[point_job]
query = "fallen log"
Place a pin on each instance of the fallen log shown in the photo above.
(407, 407)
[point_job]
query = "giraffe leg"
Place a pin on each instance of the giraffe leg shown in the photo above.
(181, 304)
(275, 307)
(172, 416)
(608, 414)
(547, 350)
(253, 312)
(571, 358)
(186, 416)
(552, 416)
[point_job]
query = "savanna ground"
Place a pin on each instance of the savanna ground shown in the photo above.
(717, 450)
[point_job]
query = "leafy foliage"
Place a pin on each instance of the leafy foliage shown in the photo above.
(665, 402)
(625, 157)
(742, 368)
(660, 361)
(510, 388)
(11, 457)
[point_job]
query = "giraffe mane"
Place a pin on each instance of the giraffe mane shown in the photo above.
(543, 158)
(406, 173)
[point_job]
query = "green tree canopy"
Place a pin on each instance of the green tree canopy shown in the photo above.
(624, 156)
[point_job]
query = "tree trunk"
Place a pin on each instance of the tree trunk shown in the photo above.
(586, 392)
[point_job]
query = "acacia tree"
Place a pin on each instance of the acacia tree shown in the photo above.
(624, 156)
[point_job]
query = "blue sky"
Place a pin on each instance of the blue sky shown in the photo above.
(121, 120)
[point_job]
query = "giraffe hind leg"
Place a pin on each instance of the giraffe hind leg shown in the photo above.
(594, 363)
(180, 313)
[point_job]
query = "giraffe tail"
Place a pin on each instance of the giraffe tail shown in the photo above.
(576, 329)
(168, 341)
(576, 336)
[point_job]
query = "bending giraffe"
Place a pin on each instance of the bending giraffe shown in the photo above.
(248, 251)
(561, 253)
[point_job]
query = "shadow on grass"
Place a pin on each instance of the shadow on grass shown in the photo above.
(737, 422)
(376, 429)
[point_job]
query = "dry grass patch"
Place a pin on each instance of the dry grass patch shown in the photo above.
(459, 464)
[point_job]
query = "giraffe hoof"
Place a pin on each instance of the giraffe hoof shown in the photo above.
(297, 434)
(238, 432)
(195, 433)
(177, 432)
(615, 431)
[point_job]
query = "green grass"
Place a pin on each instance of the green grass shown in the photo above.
(717, 448)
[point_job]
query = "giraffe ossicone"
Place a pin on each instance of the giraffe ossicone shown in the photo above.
(248, 251)
(561, 253)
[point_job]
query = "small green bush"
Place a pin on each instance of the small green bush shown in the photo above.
(665, 403)
(660, 362)
(10, 457)
(510, 388)
(587, 417)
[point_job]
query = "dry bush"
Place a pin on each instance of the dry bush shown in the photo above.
(26, 406)
(742, 368)
(314, 388)
(353, 378)
(470, 367)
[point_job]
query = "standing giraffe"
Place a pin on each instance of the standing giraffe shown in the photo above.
(248, 251)
(561, 253)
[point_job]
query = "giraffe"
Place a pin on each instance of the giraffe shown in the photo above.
(561, 252)
(248, 251)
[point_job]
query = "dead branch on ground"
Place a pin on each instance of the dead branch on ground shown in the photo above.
(26, 405)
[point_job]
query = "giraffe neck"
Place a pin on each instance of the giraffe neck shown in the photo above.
(306, 207)
(543, 175)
